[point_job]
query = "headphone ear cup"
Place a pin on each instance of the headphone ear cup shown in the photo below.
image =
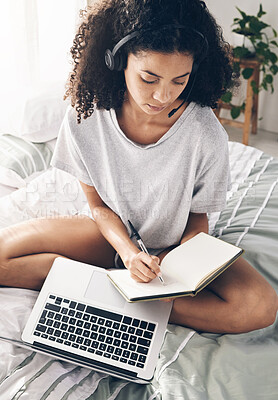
(118, 61)
(109, 60)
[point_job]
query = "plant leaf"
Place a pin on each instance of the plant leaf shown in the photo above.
(227, 97)
(236, 67)
(264, 84)
(274, 32)
(261, 12)
(274, 69)
(241, 52)
(247, 73)
(262, 45)
(254, 87)
(269, 78)
(246, 31)
(235, 112)
(257, 26)
(273, 58)
(242, 13)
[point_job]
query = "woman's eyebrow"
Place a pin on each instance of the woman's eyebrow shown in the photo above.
(177, 77)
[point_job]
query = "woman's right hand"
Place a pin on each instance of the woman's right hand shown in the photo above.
(142, 267)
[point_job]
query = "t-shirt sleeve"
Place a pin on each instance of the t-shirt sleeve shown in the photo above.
(67, 155)
(212, 180)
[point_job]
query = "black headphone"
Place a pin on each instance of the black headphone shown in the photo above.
(115, 61)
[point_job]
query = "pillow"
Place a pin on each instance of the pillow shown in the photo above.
(21, 161)
(34, 114)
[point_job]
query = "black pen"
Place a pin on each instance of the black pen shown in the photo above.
(143, 247)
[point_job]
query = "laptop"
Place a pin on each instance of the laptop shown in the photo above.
(81, 318)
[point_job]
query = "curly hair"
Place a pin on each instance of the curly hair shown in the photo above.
(92, 84)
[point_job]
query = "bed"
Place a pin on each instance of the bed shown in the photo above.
(192, 365)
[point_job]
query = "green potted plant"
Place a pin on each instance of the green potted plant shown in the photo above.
(259, 41)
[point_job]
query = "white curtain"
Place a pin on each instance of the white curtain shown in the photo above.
(35, 37)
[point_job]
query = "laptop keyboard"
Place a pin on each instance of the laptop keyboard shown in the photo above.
(93, 330)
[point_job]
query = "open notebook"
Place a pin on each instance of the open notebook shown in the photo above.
(186, 270)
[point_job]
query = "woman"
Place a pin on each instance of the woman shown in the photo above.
(144, 143)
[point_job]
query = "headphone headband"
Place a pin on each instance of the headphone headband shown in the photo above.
(115, 62)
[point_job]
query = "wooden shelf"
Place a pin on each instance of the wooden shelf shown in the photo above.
(251, 102)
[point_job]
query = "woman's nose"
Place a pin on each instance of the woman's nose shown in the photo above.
(162, 95)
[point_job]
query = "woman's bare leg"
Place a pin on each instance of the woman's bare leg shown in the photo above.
(28, 249)
(239, 300)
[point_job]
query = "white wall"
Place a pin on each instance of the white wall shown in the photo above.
(224, 11)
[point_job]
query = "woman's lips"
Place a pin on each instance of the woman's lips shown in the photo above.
(155, 108)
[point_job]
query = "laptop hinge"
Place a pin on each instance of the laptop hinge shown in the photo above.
(86, 362)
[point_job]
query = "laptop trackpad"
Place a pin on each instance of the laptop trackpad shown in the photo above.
(101, 290)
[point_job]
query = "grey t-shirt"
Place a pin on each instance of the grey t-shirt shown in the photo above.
(156, 185)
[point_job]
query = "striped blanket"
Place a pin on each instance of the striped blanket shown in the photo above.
(191, 365)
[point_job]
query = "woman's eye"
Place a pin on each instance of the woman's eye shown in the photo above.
(149, 82)
(155, 81)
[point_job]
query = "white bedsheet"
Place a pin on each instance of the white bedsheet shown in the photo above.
(6, 190)
(52, 193)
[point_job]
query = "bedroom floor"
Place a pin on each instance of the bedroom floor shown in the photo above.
(263, 140)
